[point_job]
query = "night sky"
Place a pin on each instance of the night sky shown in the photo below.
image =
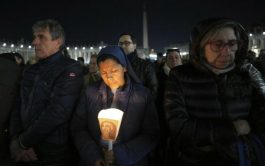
(93, 21)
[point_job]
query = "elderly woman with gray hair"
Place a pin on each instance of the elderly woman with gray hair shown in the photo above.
(215, 103)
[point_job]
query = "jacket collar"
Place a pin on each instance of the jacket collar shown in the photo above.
(132, 56)
(50, 60)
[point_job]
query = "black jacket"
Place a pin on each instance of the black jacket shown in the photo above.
(49, 91)
(145, 71)
(9, 82)
(201, 107)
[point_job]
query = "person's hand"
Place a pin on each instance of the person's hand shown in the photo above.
(15, 150)
(18, 60)
(29, 155)
(19, 154)
(108, 156)
(242, 127)
(100, 163)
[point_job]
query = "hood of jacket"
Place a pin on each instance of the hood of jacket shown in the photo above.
(203, 27)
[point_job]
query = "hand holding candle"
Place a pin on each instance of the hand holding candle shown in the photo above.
(109, 121)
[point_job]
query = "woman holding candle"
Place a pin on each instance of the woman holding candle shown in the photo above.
(119, 88)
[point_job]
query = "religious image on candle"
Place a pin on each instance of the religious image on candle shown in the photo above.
(109, 122)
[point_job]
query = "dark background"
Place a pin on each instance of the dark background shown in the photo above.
(92, 21)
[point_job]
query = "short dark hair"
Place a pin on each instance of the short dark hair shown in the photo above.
(80, 59)
(129, 34)
(172, 49)
(11, 56)
(160, 54)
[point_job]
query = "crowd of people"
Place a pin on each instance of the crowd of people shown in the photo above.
(208, 110)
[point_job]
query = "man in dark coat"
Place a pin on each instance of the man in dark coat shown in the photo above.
(215, 103)
(49, 91)
(144, 69)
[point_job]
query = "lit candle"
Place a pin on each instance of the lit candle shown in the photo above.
(110, 121)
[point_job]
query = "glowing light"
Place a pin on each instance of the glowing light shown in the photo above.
(184, 53)
(110, 121)
(152, 55)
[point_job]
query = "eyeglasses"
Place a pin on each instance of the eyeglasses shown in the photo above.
(126, 43)
(219, 45)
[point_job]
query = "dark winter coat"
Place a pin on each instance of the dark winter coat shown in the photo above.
(201, 107)
(145, 71)
(10, 75)
(139, 130)
(49, 92)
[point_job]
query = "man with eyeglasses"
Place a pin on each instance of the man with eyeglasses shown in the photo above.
(215, 103)
(144, 70)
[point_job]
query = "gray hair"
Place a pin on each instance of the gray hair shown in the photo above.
(55, 29)
(214, 31)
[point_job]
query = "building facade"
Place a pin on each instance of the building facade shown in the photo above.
(27, 51)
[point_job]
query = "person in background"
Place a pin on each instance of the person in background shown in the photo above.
(259, 62)
(119, 88)
(145, 70)
(251, 57)
(32, 60)
(49, 91)
(10, 73)
(159, 62)
(215, 103)
(172, 60)
(82, 63)
(19, 60)
(93, 74)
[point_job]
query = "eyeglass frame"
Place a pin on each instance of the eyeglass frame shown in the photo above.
(126, 43)
(230, 45)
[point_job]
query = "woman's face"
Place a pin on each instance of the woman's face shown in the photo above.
(220, 51)
(173, 59)
(112, 73)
